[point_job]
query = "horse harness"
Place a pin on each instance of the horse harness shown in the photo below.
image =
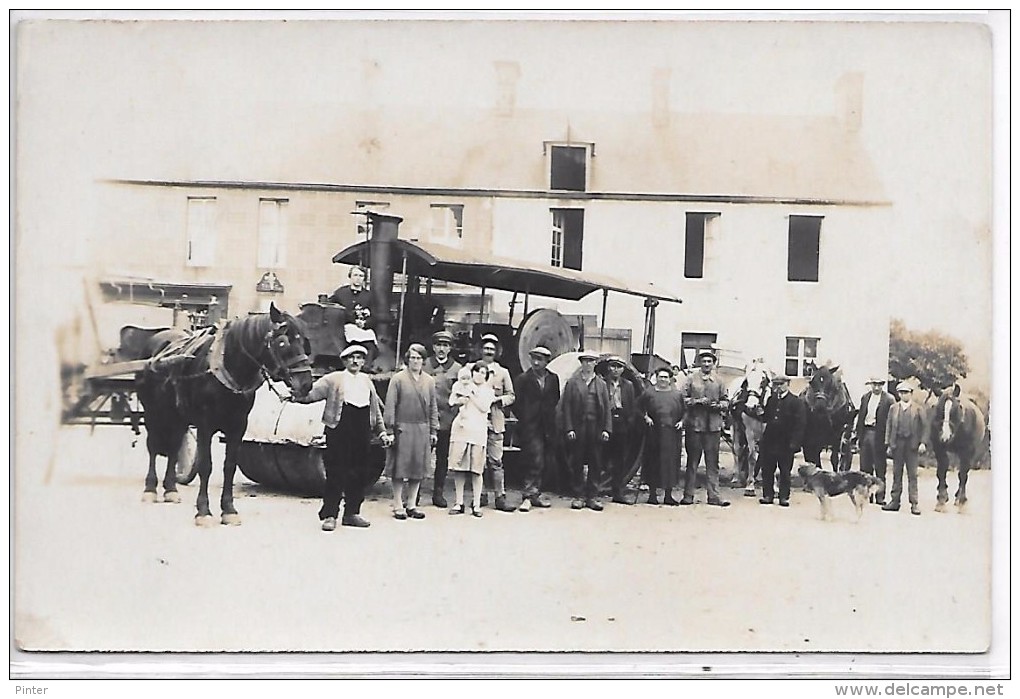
(274, 344)
(172, 359)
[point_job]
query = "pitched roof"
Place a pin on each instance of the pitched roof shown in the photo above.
(738, 155)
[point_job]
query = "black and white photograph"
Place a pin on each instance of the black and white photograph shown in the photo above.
(648, 343)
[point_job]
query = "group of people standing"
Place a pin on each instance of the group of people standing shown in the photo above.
(435, 404)
(890, 428)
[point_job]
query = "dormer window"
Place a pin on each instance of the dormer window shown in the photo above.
(568, 166)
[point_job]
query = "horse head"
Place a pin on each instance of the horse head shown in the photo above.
(825, 390)
(948, 414)
(289, 350)
(757, 382)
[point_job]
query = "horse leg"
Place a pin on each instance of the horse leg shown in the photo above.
(846, 455)
(228, 512)
(752, 463)
(941, 468)
(170, 493)
(961, 491)
(835, 457)
(149, 495)
(203, 461)
(740, 451)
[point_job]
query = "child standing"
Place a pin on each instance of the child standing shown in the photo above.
(468, 434)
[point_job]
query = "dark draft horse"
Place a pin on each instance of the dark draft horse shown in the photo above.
(830, 418)
(957, 426)
(189, 380)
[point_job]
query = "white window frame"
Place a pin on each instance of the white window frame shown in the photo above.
(201, 232)
(272, 240)
(589, 153)
(556, 255)
(447, 222)
(709, 220)
(806, 362)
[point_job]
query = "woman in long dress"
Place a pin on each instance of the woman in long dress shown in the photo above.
(469, 434)
(663, 408)
(412, 418)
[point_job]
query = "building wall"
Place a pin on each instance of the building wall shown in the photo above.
(142, 231)
(744, 295)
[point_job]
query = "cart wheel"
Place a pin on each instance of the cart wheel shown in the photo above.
(187, 458)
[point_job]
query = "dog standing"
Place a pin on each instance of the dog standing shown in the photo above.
(827, 484)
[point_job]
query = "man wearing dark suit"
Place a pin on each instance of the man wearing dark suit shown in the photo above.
(871, 422)
(623, 405)
(785, 416)
(538, 393)
(588, 424)
(444, 369)
(904, 431)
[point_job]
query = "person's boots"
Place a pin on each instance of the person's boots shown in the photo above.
(502, 505)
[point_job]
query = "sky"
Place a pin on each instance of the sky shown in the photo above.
(927, 109)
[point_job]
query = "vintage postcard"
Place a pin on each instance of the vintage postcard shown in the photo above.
(613, 288)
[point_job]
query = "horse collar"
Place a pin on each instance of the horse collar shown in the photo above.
(223, 375)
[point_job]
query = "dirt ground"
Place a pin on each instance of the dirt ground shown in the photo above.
(96, 569)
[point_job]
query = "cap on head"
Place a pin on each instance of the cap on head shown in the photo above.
(586, 355)
(540, 351)
(780, 378)
(353, 349)
(442, 336)
(615, 359)
(904, 387)
(706, 353)
(490, 339)
(874, 379)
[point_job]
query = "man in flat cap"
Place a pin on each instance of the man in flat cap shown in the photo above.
(904, 432)
(587, 424)
(353, 411)
(623, 406)
(785, 418)
(503, 386)
(706, 402)
(444, 369)
(537, 393)
(871, 421)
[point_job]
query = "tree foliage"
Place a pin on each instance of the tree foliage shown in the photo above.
(936, 360)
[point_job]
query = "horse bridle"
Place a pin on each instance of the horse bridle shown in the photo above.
(758, 393)
(282, 369)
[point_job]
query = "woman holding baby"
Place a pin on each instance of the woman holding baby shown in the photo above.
(473, 396)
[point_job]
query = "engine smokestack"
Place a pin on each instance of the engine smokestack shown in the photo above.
(383, 231)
